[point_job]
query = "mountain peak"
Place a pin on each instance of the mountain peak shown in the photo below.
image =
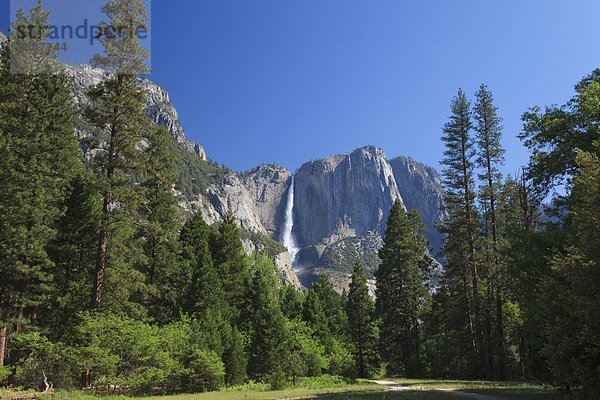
(370, 149)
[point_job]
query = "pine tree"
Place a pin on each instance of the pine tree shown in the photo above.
(73, 252)
(324, 312)
(201, 292)
(117, 112)
(269, 337)
(401, 295)
(361, 323)
(460, 227)
(232, 265)
(160, 223)
(235, 358)
(40, 157)
(490, 155)
(291, 300)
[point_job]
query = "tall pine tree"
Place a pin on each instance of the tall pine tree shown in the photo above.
(462, 280)
(40, 157)
(362, 324)
(160, 223)
(117, 113)
(401, 295)
(490, 155)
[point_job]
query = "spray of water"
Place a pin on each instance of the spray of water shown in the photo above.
(287, 237)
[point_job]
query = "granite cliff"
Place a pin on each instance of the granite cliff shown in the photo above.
(341, 205)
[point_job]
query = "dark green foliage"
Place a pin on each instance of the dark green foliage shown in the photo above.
(74, 254)
(462, 282)
(571, 297)
(268, 330)
(235, 359)
(362, 325)
(232, 265)
(401, 296)
(194, 175)
(40, 157)
(490, 155)
(553, 135)
(158, 229)
(116, 112)
(201, 293)
(291, 301)
(323, 310)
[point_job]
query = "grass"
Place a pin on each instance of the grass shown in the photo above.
(335, 388)
(305, 388)
(502, 390)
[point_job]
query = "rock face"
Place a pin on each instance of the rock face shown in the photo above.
(159, 107)
(256, 198)
(340, 210)
(342, 204)
(421, 189)
(3, 38)
(342, 196)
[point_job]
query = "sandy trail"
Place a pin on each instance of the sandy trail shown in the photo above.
(395, 386)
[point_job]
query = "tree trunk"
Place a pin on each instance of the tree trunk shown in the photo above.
(98, 279)
(473, 314)
(3, 331)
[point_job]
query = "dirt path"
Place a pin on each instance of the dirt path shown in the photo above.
(395, 386)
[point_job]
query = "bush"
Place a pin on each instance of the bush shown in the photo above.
(120, 351)
(36, 357)
(340, 359)
(208, 371)
(306, 354)
(191, 369)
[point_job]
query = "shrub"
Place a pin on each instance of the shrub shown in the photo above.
(38, 357)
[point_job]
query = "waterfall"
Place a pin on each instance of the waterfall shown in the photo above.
(287, 237)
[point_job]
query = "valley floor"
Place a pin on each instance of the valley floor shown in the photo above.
(397, 389)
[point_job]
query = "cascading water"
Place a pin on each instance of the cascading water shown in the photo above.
(287, 237)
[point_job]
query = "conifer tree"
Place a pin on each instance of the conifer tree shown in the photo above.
(202, 295)
(292, 302)
(323, 311)
(361, 323)
(490, 155)
(232, 265)
(462, 280)
(40, 157)
(269, 337)
(235, 358)
(117, 112)
(401, 295)
(160, 222)
(73, 252)
(552, 134)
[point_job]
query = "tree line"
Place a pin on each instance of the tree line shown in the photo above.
(106, 283)
(521, 252)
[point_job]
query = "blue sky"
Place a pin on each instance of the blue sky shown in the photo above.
(287, 81)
